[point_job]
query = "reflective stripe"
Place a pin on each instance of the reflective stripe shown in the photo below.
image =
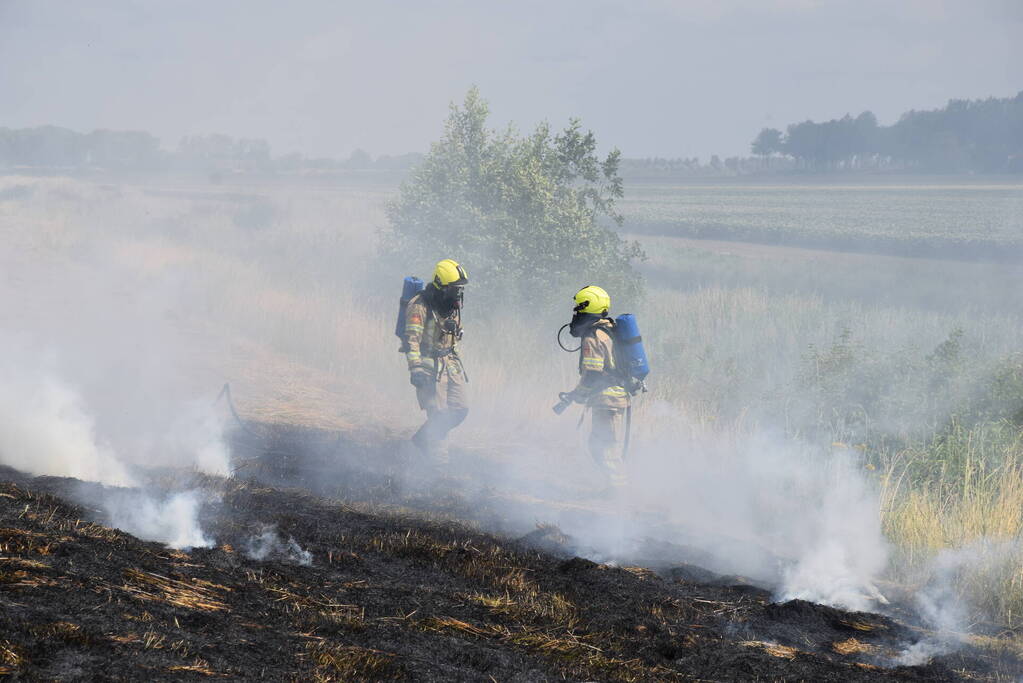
(593, 363)
(614, 392)
(413, 328)
(413, 356)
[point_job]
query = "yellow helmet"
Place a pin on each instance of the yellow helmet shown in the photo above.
(448, 272)
(592, 299)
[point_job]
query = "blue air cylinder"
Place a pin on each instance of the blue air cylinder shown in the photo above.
(409, 289)
(631, 352)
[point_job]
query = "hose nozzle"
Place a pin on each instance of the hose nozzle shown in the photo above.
(563, 404)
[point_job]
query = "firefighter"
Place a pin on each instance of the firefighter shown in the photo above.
(600, 386)
(433, 328)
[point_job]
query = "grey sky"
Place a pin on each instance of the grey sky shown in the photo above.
(654, 77)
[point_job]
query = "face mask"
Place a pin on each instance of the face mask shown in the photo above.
(447, 299)
(581, 323)
(453, 295)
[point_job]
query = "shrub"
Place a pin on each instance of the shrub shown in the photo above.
(523, 214)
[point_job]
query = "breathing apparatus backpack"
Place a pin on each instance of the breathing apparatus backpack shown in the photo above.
(630, 355)
(411, 286)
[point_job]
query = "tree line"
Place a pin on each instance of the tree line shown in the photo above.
(53, 147)
(982, 136)
(973, 136)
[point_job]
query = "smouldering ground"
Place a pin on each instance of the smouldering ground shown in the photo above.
(393, 593)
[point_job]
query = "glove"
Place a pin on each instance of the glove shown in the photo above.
(420, 378)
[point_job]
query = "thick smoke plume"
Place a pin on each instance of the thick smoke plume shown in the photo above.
(758, 505)
(93, 384)
(168, 518)
(45, 429)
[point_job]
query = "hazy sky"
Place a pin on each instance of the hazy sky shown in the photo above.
(654, 77)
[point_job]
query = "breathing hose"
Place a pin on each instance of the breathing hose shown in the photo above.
(563, 347)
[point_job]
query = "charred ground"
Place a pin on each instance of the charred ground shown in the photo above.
(396, 590)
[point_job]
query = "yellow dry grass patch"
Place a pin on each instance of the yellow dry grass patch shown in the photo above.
(564, 645)
(773, 649)
(860, 625)
(23, 579)
(198, 667)
(333, 611)
(348, 663)
(19, 541)
(500, 604)
(10, 654)
(641, 572)
(60, 630)
(450, 623)
(99, 532)
(23, 563)
(147, 586)
(852, 646)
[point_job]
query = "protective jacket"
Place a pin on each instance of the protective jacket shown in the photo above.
(600, 383)
(432, 337)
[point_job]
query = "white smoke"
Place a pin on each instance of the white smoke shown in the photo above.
(199, 433)
(173, 520)
(46, 429)
(838, 546)
(941, 600)
(759, 505)
(268, 544)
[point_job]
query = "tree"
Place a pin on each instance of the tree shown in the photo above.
(767, 143)
(359, 159)
(527, 215)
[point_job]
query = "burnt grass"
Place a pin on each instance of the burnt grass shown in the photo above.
(397, 589)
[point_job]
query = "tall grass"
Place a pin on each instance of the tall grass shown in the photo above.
(954, 511)
(931, 397)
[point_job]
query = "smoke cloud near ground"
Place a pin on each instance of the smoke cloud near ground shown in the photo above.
(95, 386)
(772, 508)
(46, 428)
(267, 544)
(172, 518)
(759, 505)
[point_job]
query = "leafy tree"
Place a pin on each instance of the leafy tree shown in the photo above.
(527, 215)
(767, 143)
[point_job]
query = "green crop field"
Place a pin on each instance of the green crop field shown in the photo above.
(958, 219)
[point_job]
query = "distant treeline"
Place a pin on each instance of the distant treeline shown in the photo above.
(966, 136)
(659, 167)
(982, 136)
(51, 147)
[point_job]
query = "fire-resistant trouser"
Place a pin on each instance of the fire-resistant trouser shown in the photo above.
(606, 442)
(444, 402)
